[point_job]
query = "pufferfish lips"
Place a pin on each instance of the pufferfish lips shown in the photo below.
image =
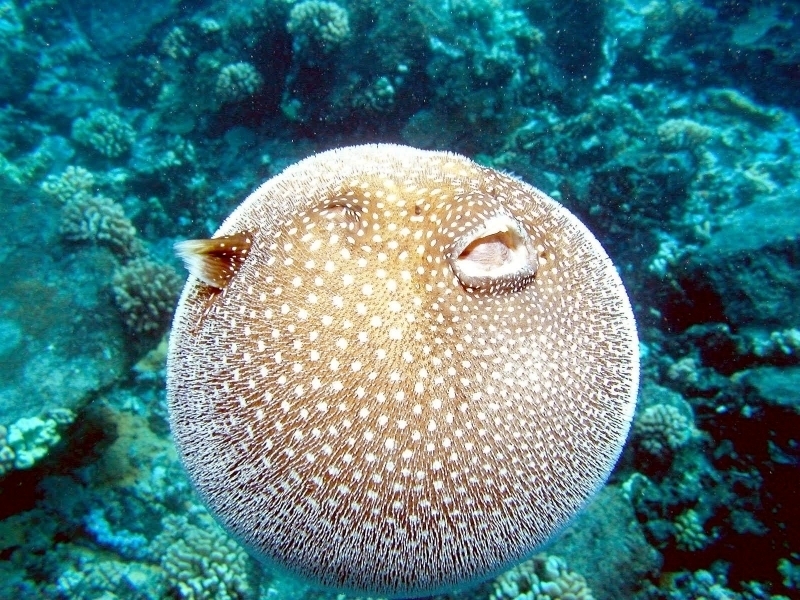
(396, 372)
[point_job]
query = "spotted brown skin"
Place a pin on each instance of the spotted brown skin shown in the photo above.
(418, 374)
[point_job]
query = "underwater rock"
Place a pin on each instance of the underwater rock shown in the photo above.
(606, 544)
(771, 393)
(70, 342)
(777, 387)
(115, 29)
(747, 274)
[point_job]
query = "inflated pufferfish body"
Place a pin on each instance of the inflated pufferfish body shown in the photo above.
(397, 372)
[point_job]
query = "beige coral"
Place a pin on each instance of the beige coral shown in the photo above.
(145, 292)
(662, 429)
(26, 441)
(175, 44)
(379, 96)
(73, 181)
(689, 532)
(683, 134)
(542, 577)
(99, 219)
(105, 132)
(201, 560)
(7, 454)
(237, 81)
(209, 26)
(315, 22)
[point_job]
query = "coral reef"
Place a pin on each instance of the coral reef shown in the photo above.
(671, 128)
(689, 533)
(707, 584)
(683, 134)
(107, 579)
(607, 545)
(175, 45)
(791, 573)
(73, 181)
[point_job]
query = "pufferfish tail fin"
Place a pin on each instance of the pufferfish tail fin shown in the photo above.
(215, 261)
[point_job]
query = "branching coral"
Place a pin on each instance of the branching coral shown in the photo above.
(237, 81)
(128, 544)
(23, 170)
(683, 134)
(108, 579)
(318, 23)
(175, 45)
(541, 578)
(163, 154)
(200, 560)
(662, 429)
(73, 181)
(98, 219)
(379, 96)
(790, 572)
(779, 343)
(105, 132)
(689, 532)
(28, 440)
(698, 585)
(145, 291)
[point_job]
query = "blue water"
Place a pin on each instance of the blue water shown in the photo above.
(670, 128)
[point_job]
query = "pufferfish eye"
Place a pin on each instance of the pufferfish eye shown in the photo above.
(497, 254)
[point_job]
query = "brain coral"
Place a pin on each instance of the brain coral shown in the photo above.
(145, 292)
(105, 132)
(317, 23)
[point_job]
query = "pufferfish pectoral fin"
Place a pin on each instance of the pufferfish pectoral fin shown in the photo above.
(215, 261)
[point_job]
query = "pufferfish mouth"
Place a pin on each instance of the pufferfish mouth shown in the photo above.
(496, 255)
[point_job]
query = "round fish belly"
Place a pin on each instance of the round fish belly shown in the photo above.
(396, 372)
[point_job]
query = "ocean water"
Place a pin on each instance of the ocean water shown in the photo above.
(669, 128)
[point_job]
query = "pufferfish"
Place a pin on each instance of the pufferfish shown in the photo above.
(397, 372)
